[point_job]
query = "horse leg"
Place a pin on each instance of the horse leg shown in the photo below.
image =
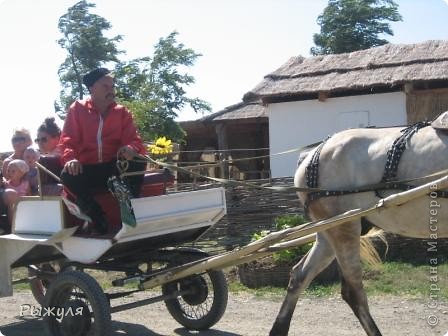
(345, 240)
(319, 257)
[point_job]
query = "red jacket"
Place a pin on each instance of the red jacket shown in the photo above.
(90, 139)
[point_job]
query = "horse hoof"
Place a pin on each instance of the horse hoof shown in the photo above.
(278, 331)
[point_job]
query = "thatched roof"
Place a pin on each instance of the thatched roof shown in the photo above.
(248, 110)
(386, 66)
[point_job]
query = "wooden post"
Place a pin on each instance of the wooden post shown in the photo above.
(223, 146)
(322, 96)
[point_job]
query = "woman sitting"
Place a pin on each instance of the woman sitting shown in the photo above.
(48, 135)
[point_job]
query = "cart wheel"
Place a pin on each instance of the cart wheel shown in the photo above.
(204, 301)
(79, 306)
(39, 286)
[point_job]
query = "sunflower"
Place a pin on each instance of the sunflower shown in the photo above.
(161, 146)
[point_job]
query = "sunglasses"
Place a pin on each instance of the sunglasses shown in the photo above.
(43, 140)
(19, 139)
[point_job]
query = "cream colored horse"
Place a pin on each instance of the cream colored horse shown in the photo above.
(351, 159)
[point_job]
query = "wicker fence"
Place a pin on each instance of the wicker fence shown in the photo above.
(248, 210)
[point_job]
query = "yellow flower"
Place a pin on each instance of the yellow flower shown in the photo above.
(161, 146)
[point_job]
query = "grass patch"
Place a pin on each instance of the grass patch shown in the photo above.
(404, 279)
(237, 288)
(313, 291)
(20, 273)
(390, 278)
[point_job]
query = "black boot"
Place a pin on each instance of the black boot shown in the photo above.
(100, 222)
(92, 209)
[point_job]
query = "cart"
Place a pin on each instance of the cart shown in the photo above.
(59, 260)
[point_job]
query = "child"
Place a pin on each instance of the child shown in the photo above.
(20, 140)
(16, 177)
(31, 156)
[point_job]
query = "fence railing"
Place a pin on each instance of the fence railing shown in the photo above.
(240, 163)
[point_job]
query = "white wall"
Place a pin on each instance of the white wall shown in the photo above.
(296, 124)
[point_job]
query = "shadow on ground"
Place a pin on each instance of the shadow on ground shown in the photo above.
(34, 326)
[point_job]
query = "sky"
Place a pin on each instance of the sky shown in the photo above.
(241, 41)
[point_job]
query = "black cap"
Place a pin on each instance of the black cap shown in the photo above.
(90, 78)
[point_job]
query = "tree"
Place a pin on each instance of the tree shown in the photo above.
(350, 25)
(154, 88)
(87, 48)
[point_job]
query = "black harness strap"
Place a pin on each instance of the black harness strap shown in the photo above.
(397, 149)
(312, 170)
(394, 155)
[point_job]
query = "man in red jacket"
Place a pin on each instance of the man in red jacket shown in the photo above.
(97, 132)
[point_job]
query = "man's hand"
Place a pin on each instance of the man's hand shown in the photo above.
(126, 152)
(73, 167)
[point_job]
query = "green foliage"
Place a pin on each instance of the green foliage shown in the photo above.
(350, 25)
(152, 125)
(289, 221)
(283, 223)
(154, 88)
(87, 48)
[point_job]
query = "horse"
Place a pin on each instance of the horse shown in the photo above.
(347, 161)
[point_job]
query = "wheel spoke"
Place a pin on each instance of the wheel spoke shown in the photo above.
(202, 300)
(198, 311)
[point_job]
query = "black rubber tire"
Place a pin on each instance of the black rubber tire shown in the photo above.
(79, 290)
(184, 309)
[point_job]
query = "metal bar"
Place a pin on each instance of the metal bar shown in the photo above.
(41, 274)
(145, 302)
(123, 281)
(112, 296)
(24, 280)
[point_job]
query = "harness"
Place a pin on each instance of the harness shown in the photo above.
(394, 155)
(397, 149)
(388, 181)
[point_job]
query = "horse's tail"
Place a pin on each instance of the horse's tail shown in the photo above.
(368, 252)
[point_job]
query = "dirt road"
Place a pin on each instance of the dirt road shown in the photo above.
(251, 316)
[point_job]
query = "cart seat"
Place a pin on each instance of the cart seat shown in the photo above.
(156, 182)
